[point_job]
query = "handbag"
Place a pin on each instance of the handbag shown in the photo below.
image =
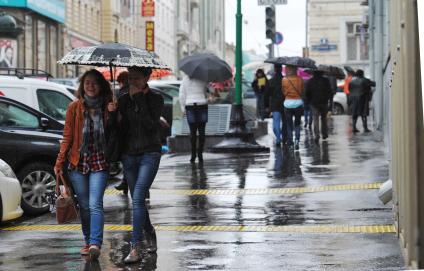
(66, 210)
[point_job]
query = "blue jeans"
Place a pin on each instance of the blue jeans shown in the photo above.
(90, 189)
(276, 125)
(140, 171)
(297, 114)
(260, 106)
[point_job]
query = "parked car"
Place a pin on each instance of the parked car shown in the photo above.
(16, 115)
(169, 89)
(48, 97)
(166, 111)
(73, 82)
(339, 102)
(32, 155)
(10, 193)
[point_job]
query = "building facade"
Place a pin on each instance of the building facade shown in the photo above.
(200, 27)
(40, 45)
(336, 33)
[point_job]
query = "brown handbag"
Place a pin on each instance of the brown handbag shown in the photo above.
(66, 210)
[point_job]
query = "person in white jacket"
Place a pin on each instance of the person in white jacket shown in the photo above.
(194, 103)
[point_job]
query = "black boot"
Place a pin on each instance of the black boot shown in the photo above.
(193, 149)
(364, 123)
(200, 149)
(355, 130)
(123, 186)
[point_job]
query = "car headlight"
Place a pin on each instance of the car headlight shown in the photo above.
(6, 170)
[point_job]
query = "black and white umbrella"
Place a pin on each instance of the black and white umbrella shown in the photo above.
(303, 62)
(113, 54)
(206, 67)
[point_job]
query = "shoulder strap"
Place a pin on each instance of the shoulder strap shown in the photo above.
(298, 92)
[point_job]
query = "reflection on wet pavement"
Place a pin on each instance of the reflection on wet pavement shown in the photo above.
(341, 160)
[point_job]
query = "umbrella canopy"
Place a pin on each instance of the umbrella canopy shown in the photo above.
(332, 71)
(113, 54)
(349, 69)
(156, 73)
(297, 61)
(206, 67)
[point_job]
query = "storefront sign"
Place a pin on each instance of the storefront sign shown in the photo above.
(8, 53)
(150, 36)
(148, 8)
(54, 9)
(13, 3)
(271, 2)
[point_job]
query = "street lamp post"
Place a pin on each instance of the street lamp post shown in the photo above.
(238, 139)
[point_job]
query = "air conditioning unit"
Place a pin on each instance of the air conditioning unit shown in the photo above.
(357, 28)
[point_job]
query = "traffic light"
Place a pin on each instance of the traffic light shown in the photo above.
(270, 23)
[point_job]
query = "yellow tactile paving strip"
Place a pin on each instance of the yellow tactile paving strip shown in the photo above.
(269, 191)
(235, 228)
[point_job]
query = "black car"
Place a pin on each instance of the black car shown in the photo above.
(32, 155)
(166, 112)
(18, 116)
(29, 143)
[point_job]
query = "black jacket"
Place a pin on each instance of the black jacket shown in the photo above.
(260, 90)
(139, 126)
(274, 98)
(318, 91)
(361, 86)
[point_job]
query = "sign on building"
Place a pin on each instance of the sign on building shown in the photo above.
(148, 8)
(271, 2)
(8, 53)
(150, 36)
(324, 46)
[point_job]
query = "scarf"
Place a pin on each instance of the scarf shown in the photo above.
(98, 128)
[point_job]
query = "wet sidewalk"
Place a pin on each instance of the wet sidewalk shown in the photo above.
(315, 209)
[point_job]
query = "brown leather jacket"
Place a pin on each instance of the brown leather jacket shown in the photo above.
(72, 134)
(293, 87)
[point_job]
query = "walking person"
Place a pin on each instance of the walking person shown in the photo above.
(307, 114)
(84, 146)
(293, 87)
(260, 86)
(318, 94)
(348, 79)
(194, 103)
(274, 103)
(122, 80)
(360, 96)
(139, 126)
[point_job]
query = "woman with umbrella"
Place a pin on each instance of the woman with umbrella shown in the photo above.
(200, 70)
(194, 103)
(84, 145)
(293, 87)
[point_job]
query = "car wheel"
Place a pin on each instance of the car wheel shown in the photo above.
(338, 109)
(37, 181)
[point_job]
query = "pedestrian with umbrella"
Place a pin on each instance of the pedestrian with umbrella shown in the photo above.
(200, 70)
(136, 122)
(260, 86)
(360, 96)
(86, 138)
(317, 94)
(274, 103)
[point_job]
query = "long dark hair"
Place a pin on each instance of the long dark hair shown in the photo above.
(105, 90)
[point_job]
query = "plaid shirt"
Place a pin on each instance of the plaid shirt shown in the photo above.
(92, 161)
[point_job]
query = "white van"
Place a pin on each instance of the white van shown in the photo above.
(48, 97)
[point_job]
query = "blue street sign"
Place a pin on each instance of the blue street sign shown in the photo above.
(278, 38)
